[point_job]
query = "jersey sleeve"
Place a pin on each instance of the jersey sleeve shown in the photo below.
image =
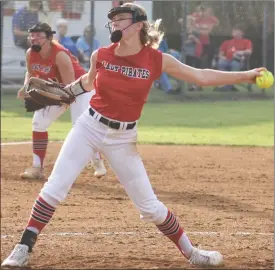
(157, 64)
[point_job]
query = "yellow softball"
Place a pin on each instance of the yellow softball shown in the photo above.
(266, 80)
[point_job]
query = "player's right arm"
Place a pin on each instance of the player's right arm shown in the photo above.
(21, 92)
(84, 83)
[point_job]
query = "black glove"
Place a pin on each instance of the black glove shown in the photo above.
(32, 106)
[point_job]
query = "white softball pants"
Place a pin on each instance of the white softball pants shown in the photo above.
(88, 136)
(42, 119)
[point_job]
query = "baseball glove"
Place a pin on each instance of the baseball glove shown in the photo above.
(41, 93)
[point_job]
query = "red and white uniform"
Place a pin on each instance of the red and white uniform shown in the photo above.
(46, 68)
(122, 85)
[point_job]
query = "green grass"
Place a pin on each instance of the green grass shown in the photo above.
(172, 122)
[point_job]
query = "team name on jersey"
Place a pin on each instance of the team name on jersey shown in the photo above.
(41, 68)
(140, 73)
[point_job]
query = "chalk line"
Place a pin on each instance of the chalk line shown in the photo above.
(62, 234)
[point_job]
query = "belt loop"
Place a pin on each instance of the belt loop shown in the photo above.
(125, 125)
(96, 116)
(120, 126)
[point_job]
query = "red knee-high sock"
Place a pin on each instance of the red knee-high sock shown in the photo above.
(40, 143)
(41, 214)
(172, 229)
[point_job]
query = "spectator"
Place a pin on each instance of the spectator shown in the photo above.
(164, 82)
(234, 52)
(86, 44)
(67, 42)
(197, 13)
(23, 19)
(205, 22)
(193, 47)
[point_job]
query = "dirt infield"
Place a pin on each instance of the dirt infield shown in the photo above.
(223, 197)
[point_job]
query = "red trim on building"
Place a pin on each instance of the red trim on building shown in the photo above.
(8, 11)
(71, 15)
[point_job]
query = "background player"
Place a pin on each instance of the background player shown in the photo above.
(47, 59)
(122, 75)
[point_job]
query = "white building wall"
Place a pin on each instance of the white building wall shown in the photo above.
(76, 27)
(13, 57)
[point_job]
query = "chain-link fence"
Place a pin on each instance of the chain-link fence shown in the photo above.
(255, 17)
(214, 21)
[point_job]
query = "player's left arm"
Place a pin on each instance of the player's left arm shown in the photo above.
(206, 77)
(65, 67)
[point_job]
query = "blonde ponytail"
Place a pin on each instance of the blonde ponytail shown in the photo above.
(150, 35)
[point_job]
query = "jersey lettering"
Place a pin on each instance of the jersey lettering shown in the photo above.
(41, 68)
(110, 67)
(139, 73)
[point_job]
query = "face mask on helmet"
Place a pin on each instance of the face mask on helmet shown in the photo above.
(35, 34)
(115, 36)
(36, 47)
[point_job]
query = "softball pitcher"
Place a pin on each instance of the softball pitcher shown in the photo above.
(49, 60)
(122, 75)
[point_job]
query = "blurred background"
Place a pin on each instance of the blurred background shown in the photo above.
(203, 34)
(196, 32)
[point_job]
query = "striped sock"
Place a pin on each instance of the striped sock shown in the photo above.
(172, 229)
(41, 214)
(40, 143)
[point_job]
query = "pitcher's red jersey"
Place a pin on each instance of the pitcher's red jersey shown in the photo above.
(47, 68)
(122, 84)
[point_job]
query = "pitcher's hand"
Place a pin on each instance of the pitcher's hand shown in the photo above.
(253, 74)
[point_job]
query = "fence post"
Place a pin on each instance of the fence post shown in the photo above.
(183, 30)
(92, 22)
(1, 43)
(183, 84)
(264, 44)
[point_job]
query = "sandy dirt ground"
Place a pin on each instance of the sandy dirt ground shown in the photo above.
(222, 196)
